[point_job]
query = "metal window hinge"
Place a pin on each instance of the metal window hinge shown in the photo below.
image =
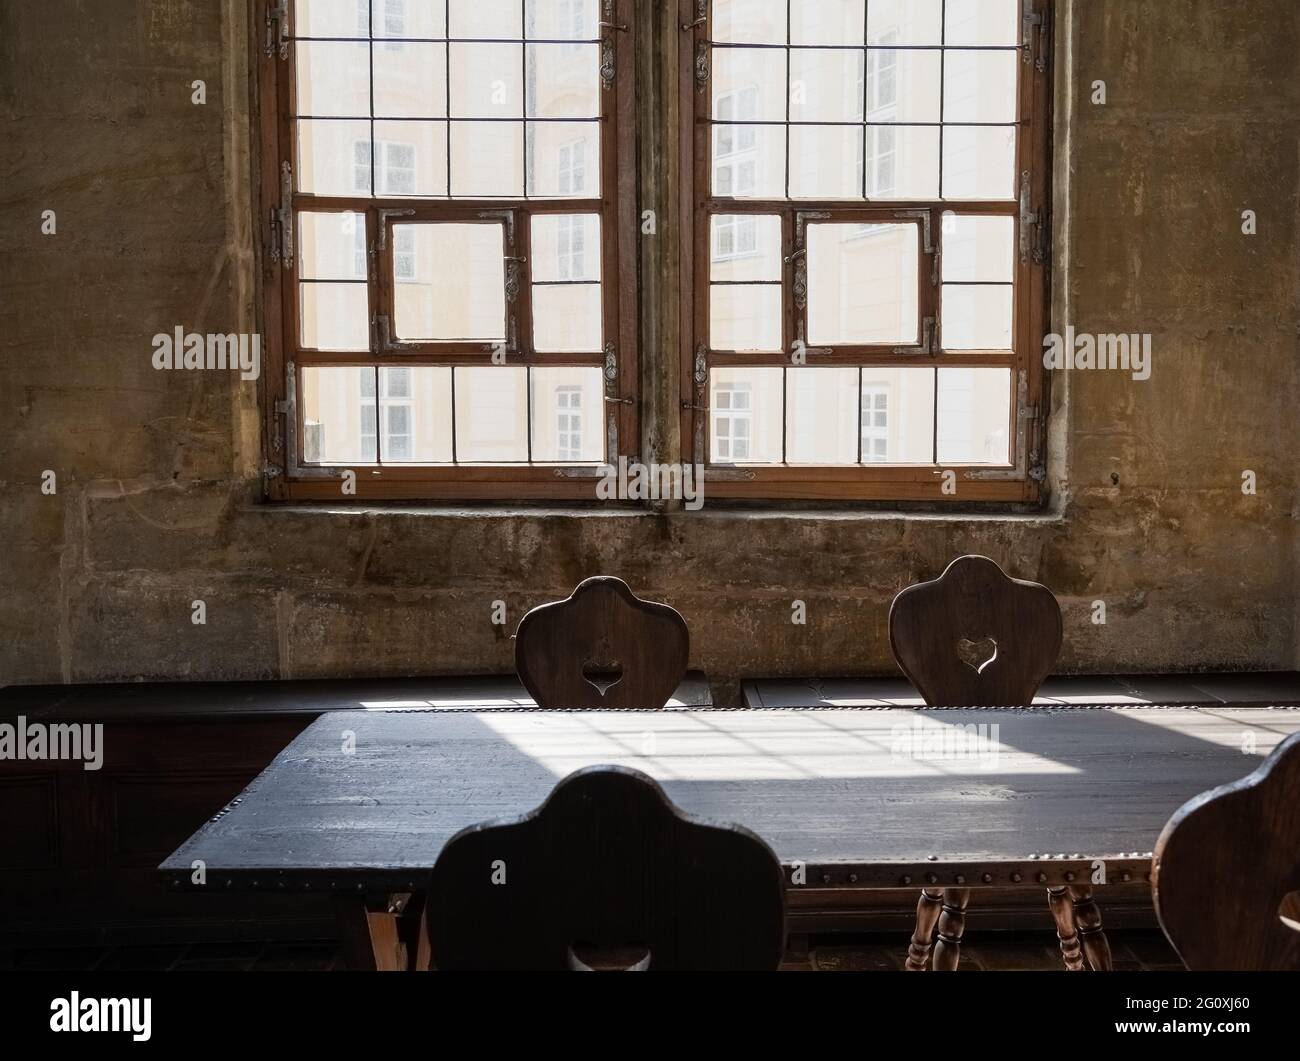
(282, 220)
(384, 215)
(1031, 20)
(1033, 239)
(928, 346)
(277, 28)
(281, 407)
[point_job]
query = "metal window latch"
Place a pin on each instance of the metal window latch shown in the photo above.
(282, 220)
(277, 28)
(1031, 20)
(1030, 220)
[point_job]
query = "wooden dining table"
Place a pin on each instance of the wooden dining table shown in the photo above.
(851, 799)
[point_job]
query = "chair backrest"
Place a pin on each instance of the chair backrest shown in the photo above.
(974, 637)
(1227, 869)
(608, 864)
(604, 647)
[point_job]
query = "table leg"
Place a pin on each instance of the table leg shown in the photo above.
(952, 922)
(1058, 901)
(1088, 916)
(370, 933)
(927, 913)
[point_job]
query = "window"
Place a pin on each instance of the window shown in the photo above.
(870, 284)
(732, 422)
(450, 255)
(568, 423)
(875, 424)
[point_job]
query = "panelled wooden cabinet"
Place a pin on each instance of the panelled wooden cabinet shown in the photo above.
(79, 848)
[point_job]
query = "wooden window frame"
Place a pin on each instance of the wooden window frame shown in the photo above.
(286, 474)
(1019, 482)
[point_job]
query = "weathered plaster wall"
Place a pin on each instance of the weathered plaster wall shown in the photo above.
(156, 504)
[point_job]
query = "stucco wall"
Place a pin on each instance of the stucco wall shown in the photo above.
(157, 501)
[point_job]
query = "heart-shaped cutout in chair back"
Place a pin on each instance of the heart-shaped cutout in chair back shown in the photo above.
(602, 675)
(977, 654)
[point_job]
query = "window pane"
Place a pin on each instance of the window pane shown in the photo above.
(487, 80)
(563, 160)
(334, 316)
(332, 246)
(411, 158)
(333, 79)
(824, 162)
(410, 80)
(980, 86)
(897, 415)
(749, 161)
(333, 158)
(487, 159)
(410, 18)
(563, 80)
(863, 284)
(494, 19)
(827, 22)
(979, 163)
(745, 247)
(976, 317)
(748, 21)
(459, 291)
(902, 85)
(825, 85)
(745, 317)
(748, 84)
(568, 415)
(339, 415)
(974, 414)
(745, 415)
(492, 414)
(331, 18)
(978, 248)
(565, 247)
(566, 318)
(561, 19)
(982, 22)
(416, 407)
(821, 416)
(902, 162)
(905, 22)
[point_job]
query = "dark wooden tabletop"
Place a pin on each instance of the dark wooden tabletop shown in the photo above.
(858, 797)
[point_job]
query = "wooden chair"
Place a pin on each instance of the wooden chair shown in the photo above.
(604, 647)
(976, 638)
(607, 873)
(1226, 872)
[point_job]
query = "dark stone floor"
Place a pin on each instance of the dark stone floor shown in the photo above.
(1134, 951)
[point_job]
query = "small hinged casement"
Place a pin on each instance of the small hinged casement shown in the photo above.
(277, 28)
(282, 220)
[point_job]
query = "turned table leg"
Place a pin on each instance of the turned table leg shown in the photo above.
(952, 922)
(927, 913)
(1058, 901)
(1088, 917)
